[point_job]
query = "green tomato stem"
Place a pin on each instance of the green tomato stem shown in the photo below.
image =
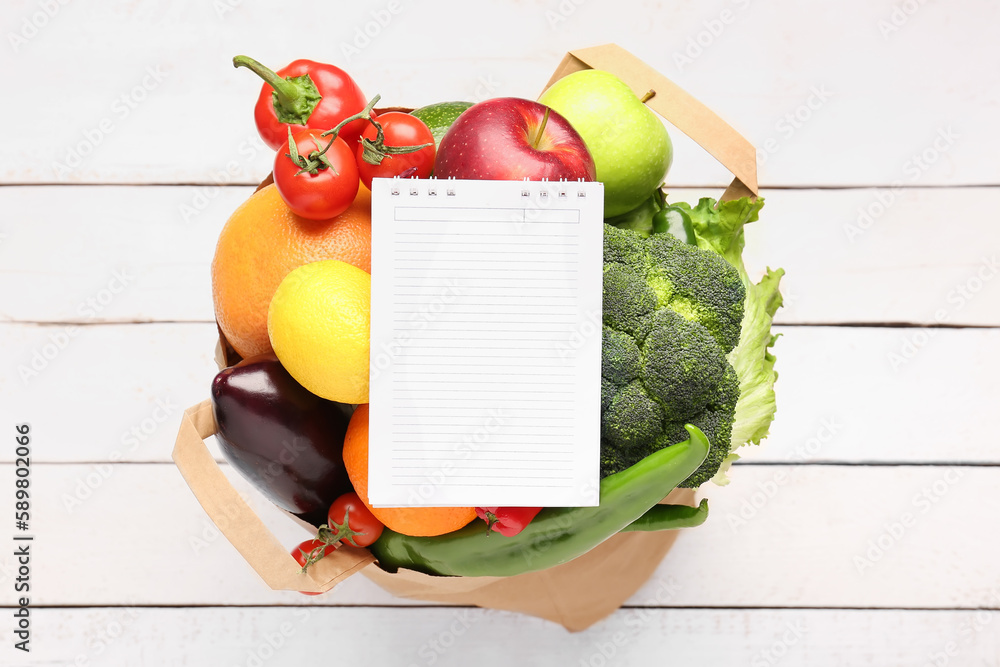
(317, 159)
(373, 152)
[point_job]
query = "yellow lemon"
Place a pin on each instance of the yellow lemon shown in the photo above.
(318, 323)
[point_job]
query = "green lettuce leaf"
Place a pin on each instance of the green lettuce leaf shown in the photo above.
(754, 363)
(719, 228)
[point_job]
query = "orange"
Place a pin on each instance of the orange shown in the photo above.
(417, 521)
(262, 242)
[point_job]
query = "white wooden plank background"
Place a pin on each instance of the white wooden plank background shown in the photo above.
(764, 545)
(860, 533)
(124, 385)
(149, 257)
(874, 104)
(238, 636)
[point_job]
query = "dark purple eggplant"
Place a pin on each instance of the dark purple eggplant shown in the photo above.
(285, 440)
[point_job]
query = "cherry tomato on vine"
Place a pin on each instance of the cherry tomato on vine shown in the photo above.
(401, 131)
(313, 186)
(350, 518)
(302, 552)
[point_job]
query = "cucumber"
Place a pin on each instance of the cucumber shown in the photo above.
(439, 117)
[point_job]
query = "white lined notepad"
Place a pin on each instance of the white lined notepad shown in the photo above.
(485, 343)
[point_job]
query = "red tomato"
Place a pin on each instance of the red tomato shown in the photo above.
(302, 552)
(400, 130)
(329, 191)
(353, 521)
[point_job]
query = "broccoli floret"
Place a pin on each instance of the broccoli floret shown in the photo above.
(681, 364)
(633, 418)
(620, 359)
(628, 300)
(672, 313)
(625, 249)
(701, 286)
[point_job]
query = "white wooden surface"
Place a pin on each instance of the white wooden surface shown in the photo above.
(876, 128)
(152, 252)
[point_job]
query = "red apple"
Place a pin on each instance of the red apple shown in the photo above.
(510, 139)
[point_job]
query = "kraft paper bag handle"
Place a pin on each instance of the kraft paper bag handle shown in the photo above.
(241, 526)
(686, 113)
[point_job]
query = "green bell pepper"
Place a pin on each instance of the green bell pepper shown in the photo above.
(674, 220)
(558, 534)
(670, 517)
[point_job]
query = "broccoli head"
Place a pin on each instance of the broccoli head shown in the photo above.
(672, 312)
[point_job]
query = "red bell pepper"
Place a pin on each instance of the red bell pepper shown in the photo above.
(508, 521)
(305, 94)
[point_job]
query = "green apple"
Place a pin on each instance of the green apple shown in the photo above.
(629, 144)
